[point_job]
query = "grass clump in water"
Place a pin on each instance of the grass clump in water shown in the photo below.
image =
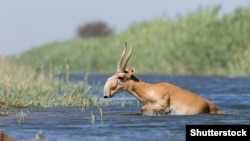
(22, 87)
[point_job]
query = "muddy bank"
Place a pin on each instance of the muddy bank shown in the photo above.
(5, 137)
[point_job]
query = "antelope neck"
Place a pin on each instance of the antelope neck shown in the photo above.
(137, 88)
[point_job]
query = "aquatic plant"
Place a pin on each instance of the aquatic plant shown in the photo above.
(123, 101)
(92, 118)
(170, 133)
(22, 87)
(40, 136)
(21, 117)
(101, 114)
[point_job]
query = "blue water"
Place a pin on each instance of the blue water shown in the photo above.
(121, 119)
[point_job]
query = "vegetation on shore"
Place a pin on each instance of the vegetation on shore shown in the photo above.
(202, 42)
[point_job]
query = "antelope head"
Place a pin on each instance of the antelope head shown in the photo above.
(117, 82)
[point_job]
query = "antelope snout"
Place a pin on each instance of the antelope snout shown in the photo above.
(106, 94)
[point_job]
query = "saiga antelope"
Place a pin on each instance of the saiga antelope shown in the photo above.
(157, 99)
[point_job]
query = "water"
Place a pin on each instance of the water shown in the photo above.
(121, 122)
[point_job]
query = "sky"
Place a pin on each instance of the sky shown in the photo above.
(26, 24)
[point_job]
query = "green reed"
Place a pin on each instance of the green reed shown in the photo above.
(22, 87)
(201, 42)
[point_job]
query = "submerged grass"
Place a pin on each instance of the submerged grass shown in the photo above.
(22, 87)
(202, 42)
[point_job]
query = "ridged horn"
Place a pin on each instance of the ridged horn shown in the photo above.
(120, 60)
(124, 64)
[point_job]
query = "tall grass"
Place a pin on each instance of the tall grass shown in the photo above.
(22, 87)
(200, 43)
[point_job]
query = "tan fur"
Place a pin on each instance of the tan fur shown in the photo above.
(160, 98)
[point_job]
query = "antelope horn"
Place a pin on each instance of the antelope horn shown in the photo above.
(120, 60)
(124, 65)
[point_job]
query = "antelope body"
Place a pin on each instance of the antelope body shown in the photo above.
(157, 99)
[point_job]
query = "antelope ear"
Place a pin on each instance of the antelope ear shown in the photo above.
(130, 70)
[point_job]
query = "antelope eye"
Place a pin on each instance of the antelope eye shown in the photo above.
(121, 78)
